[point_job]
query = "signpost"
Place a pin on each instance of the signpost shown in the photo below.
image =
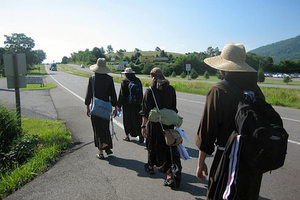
(15, 71)
(188, 68)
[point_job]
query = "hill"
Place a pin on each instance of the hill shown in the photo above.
(282, 50)
(146, 53)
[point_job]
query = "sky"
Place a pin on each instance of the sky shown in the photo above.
(61, 27)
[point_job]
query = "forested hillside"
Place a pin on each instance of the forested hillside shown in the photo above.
(283, 50)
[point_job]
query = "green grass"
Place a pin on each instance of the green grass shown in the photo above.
(39, 87)
(72, 70)
(37, 70)
(54, 139)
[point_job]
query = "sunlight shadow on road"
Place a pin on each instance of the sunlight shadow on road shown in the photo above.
(187, 184)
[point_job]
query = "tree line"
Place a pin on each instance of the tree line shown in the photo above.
(20, 43)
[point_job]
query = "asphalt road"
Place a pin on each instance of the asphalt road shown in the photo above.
(79, 175)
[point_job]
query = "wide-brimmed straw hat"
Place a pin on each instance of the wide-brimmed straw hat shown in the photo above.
(100, 67)
(128, 70)
(232, 59)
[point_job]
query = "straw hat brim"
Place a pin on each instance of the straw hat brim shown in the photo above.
(222, 64)
(100, 70)
(132, 72)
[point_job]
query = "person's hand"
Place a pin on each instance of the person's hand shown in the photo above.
(202, 168)
(114, 114)
(88, 111)
(144, 132)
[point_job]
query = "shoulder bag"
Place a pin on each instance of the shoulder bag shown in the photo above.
(100, 108)
(172, 137)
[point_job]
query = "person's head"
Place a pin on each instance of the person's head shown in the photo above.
(100, 67)
(232, 59)
(129, 73)
(158, 79)
(157, 73)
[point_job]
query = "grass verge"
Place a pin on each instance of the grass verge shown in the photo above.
(54, 138)
(38, 86)
(275, 96)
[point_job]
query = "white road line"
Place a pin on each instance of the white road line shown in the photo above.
(82, 99)
(191, 101)
(289, 119)
(119, 124)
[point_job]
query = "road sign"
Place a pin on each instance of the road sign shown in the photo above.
(11, 82)
(35, 80)
(188, 67)
(9, 66)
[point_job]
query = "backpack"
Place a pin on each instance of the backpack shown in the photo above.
(135, 92)
(264, 140)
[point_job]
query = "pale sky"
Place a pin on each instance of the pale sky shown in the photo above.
(60, 27)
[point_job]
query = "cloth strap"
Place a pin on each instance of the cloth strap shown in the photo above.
(157, 108)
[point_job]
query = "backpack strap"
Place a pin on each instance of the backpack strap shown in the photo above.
(156, 107)
(93, 85)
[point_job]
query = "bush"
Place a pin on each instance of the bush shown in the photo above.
(21, 150)
(173, 74)
(9, 129)
(206, 75)
(183, 75)
(194, 74)
(287, 79)
(260, 75)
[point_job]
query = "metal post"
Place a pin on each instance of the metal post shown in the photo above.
(17, 90)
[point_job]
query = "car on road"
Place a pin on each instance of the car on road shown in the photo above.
(53, 67)
(82, 65)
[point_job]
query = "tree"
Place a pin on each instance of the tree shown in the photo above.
(194, 74)
(183, 75)
(38, 56)
(287, 79)
(64, 60)
(137, 50)
(212, 51)
(120, 53)
(18, 43)
(260, 75)
(98, 52)
(109, 49)
(173, 74)
(206, 75)
(163, 53)
(157, 49)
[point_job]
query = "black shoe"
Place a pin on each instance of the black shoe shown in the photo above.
(108, 151)
(148, 169)
(126, 139)
(141, 139)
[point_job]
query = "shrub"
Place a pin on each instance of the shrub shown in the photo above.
(260, 75)
(183, 75)
(194, 74)
(287, 79)
(219, 76)
(173, 74)
(206, 75)
(9, 128)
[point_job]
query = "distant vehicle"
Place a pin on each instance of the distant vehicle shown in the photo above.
(53, 67)
(82, 65)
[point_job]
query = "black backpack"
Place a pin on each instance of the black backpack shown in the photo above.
(264, 140)
(135, 92)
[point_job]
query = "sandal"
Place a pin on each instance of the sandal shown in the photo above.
(149, 169)
(108, 151)
(100, 156)
(126, 139)
(170, 182)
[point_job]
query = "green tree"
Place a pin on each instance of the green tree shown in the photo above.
(183, 75)
(219, 75)
(157, 49)
(109, 49)
(64, 60)
(206, 75)
(18, 43)
(173, 74)
(287, 79)
(260, 75)
(137, 50)
(194, 74)
(98, 52)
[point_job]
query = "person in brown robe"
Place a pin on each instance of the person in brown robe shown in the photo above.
(218, 118)
(159, 154)
(131, 118)
(105, 90)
